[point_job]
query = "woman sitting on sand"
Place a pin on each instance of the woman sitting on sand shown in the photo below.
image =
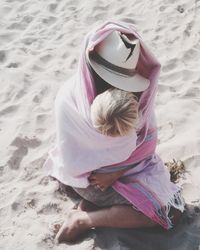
(106, 137)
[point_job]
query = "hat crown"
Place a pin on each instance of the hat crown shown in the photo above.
(115, 60)
(119, 50)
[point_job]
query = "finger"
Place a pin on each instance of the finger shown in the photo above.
(99, 187)
(60, 234)
(93, 183)
(56, 228)
(96, 187)
(92, 176)
(104, 188)
(92, 179)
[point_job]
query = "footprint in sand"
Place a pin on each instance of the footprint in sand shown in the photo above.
(41, 118)
(45, 58)
(29, 40)
(119, 11)
(27, 19)
(52, 7)
(17, 26)
(22, 203)
(31, 203)
(22, 145)
(40, 131)
(188, 29)
(190, 55)
(190, 93)
(49, 208)
(2, 169)
(162, 8)
(15, 205)
(49, 20)
(23, 89)
(171, 77)
(169, 65)
(31, 170)
(13, 65)
(28, 142)
(44, 181)
(9, 110)
(20, 94)
(47, 240)
(8, 37)
(38, 97)
(128, 19)
(102, 8)
(3, 56)
(166, 132)
(73, 64)
(180, 9)
(17, 157)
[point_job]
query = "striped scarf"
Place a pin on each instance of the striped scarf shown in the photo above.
(80, 149)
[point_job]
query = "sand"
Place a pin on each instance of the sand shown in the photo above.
(39, 46)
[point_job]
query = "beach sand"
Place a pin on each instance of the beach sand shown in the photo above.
(39, 47)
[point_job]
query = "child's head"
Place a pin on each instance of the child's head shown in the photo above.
(115, 112)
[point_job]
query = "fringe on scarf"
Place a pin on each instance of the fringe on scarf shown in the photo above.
(162, 215)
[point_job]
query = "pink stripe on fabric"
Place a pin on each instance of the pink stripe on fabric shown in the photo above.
(142, 152)
(140, 201)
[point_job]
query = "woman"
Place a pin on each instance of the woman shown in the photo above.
(138, 192)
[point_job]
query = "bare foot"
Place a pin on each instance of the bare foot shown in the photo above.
(87, 206)
(76, 223)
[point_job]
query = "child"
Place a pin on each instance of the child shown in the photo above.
(115, 112)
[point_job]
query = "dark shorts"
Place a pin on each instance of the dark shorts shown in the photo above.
(102, 198)
(110, 197)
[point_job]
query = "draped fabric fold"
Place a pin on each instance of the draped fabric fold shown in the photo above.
(80, 149)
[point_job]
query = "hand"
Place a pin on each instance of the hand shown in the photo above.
(103, 181)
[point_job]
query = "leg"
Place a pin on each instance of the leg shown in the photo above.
(118, 216)
(87, 206)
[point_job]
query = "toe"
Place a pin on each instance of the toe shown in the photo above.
(60, 236)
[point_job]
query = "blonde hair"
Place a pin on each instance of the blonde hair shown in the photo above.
(115, 112)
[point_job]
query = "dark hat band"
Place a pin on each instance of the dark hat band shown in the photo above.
(119, 70)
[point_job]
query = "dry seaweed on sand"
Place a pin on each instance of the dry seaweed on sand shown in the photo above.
(176, 168)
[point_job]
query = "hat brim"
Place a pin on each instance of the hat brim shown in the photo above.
(135, 83)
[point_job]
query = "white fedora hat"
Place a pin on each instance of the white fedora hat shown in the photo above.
(115, 59)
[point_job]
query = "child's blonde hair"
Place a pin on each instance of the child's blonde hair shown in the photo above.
(115, 112)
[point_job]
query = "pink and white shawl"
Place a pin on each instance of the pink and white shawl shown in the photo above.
(80, 149)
